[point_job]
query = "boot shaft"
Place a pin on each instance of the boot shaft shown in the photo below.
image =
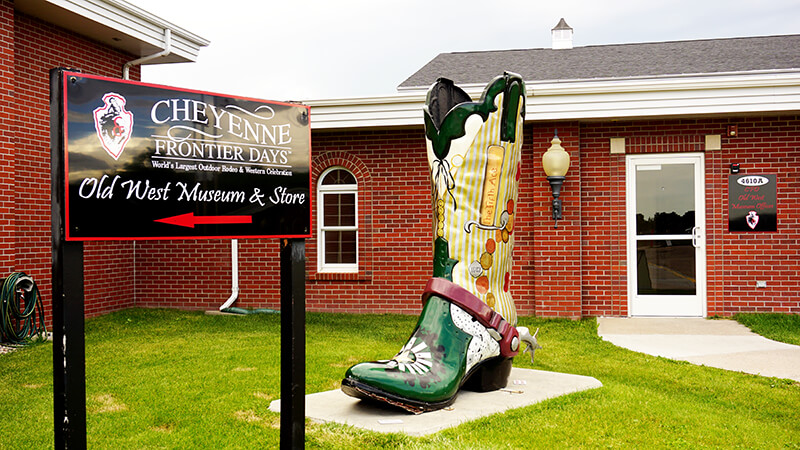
(474, 151)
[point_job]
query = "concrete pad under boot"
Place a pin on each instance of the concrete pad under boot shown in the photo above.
(525, 387)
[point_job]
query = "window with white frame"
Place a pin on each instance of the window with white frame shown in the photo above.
(337, 200)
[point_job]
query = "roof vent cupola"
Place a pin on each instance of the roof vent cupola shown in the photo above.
(562, 35)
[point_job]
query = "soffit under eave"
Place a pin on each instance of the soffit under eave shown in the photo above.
(118, 25)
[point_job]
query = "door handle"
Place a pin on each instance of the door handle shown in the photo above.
(696, 237)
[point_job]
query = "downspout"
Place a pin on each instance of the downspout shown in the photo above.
(234, 275)
(167, 50)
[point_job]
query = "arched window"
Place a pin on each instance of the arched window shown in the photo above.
(337, 221)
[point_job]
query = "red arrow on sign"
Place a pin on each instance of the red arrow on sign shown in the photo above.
(190, 220)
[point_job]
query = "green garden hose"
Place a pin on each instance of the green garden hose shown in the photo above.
(21, 310)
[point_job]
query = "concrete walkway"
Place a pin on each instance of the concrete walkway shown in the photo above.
(724, 344)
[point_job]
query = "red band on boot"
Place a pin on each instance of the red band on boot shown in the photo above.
(489, 318)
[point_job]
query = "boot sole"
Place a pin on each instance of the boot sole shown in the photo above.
(490, 375)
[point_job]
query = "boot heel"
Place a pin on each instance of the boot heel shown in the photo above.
(490, 376)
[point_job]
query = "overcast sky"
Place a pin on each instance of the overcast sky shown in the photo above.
(323, 49)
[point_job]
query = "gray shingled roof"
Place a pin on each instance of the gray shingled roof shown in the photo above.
(615, 61)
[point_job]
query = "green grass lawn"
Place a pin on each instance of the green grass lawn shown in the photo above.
(174, 379)
(780, 327)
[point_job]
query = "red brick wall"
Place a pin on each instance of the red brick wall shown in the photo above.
(37, 48)
(580, 268)
(527, 212)
(603, 254)
(395, 248)
(396, 225)
(8, 210)
(394, 240)
(576, 270)
(557, 255)
(395, 243)
(187, 274)
(763, 146)
(735, 261)
(603, 235)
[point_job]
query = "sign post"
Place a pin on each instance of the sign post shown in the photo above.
(134, 161)
(69, 362)
(293, 349)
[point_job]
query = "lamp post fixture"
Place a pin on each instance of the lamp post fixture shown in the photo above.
(556, 164)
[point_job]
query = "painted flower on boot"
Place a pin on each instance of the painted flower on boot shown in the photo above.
(418, 361)
(414, 357)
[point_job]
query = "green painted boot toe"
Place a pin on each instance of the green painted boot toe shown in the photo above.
(450, 348)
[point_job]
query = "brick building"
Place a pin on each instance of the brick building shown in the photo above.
(96, 37)
(636, 119)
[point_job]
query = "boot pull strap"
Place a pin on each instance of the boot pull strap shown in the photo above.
(498, 328)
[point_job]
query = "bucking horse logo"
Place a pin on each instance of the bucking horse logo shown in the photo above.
(114, 124)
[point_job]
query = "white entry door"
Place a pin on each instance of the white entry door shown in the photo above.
(666, 235)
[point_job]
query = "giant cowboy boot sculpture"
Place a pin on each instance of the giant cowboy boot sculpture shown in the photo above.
(465, 336)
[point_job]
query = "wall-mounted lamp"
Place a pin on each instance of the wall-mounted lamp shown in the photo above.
(556, 164)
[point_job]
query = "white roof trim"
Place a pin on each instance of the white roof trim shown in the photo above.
(770, 91)
(117, 24)
(726, 94)
(367, 112)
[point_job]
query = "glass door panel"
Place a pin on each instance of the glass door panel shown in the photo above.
(666, 267)
(665, 199)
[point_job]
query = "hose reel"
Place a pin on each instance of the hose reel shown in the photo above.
(21, 310)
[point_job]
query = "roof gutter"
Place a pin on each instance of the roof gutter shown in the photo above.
(167, 50)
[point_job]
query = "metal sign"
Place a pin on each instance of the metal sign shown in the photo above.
(752, 203)
(150, 162)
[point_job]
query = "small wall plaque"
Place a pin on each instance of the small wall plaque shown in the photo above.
(752, 203)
